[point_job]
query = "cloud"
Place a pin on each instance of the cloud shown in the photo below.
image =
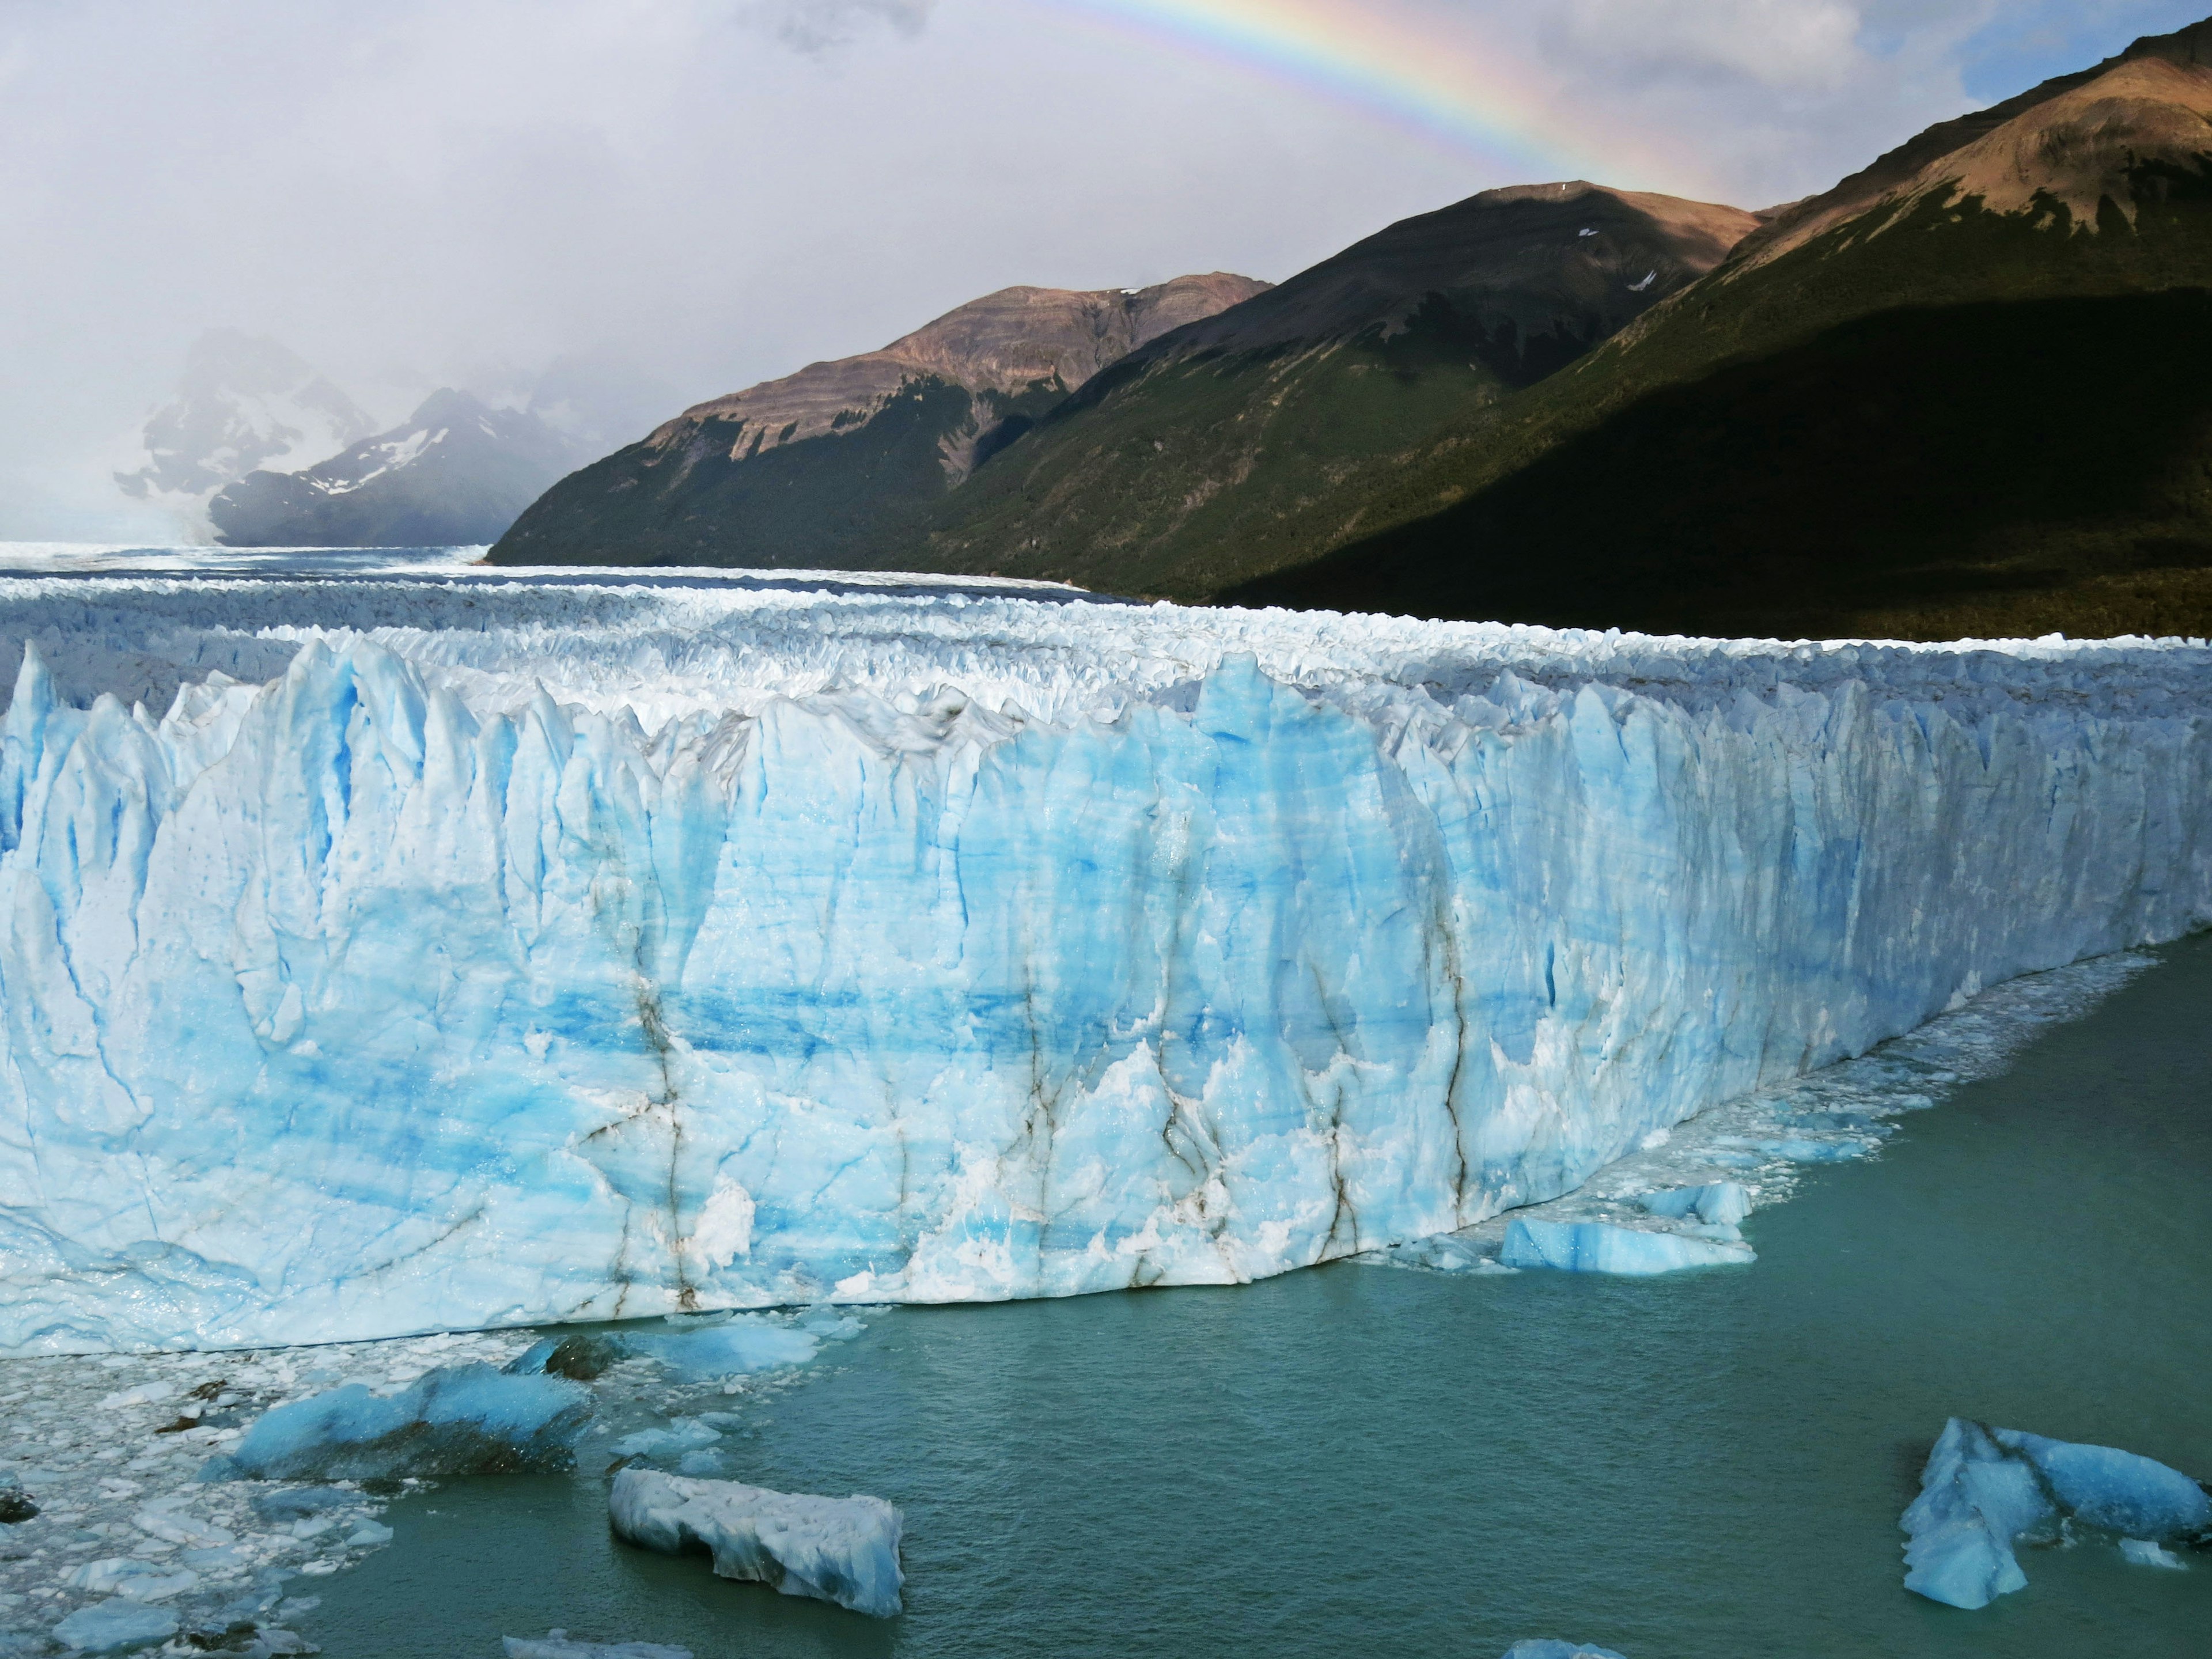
(699, 194)
(818, 26)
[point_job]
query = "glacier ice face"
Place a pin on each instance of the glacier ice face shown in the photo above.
(844, 1550)
(486, 950)
(1982, 1489)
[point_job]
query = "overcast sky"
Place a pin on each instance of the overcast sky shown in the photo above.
(711, 193)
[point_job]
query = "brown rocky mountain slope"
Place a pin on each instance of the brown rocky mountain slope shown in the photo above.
(822, 465)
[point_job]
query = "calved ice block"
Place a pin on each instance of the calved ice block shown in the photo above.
(457, 1420)
(1984, 1489)
(377, 958)
(844, 1550)
(558, 1644)
(1717, 1203)
(1599, 1247)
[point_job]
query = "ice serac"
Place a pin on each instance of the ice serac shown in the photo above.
(470, 953)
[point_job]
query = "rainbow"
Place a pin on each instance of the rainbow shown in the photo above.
(1471, 98)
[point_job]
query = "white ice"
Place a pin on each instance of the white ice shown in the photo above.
(440, 953)
(557, 1644)
(844, 1550)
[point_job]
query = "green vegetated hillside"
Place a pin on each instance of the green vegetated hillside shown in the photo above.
(836, 465)
(1227, 446)
(1963, 396)
(1962, 392)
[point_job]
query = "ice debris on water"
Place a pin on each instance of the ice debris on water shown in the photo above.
(1736, 1155)
(1544, 1647)
(2142, 1552)
(116, 1626)
(458, 1419)
(712, 1347)
(1597, 1247)
(557, 1644)
(844, 1550)
(764, 918)
(1984, 1490)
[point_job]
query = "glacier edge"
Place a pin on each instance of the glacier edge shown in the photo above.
(396, 992)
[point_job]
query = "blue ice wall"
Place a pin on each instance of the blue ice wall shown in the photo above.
(416, 987)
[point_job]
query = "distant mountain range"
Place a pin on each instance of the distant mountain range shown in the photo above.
(243, 402)
(1961, 392)
(454, 472)
(837, 464)
(262, 450)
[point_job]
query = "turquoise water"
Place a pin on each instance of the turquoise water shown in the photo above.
(1370, 1460)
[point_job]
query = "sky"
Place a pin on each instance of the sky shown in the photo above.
(690, 196)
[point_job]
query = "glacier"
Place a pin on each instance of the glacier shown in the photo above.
(389, 954)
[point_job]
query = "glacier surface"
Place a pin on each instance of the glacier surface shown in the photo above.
(397, 954)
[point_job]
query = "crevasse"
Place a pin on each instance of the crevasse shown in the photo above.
(414, 987)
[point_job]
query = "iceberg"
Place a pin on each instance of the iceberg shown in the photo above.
(1983, 1489)
(118, 1624)
(1717, 1203)
(458, 1419)
(388, 956)
(844, 1550)
(1599, 1247)
(1549, 1647)
(556, 1644)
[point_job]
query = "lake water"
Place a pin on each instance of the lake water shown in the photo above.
(1359, 1460)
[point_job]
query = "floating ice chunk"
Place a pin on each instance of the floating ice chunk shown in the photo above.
(2144, 1554)
(458, 1419)
(166, 1519)
(833, 1549)
(556, 1645)
(1719, 1203)
(684, 1434)
(1973, 1501)
(369, 1534)
(724, 1348)
(2117, 1491)
(732, 1348)
(584, 1356)
(1550, 1647)
(1798, 1150)
(1982, 1489)
(115, 1625)
(297, 1503)
(1598, 1246)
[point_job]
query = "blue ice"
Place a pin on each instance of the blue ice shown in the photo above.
(1546, 1647)
(503, 957)
(1719, 1203)
(1983, 1489)
(1598, 1246)
(115, 1625)
(459, 1419)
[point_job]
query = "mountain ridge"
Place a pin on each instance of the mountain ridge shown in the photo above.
(888, 429)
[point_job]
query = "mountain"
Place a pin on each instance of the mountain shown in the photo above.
(456, 472)
(1175, 470)
(244, 402)
(1962, 393)
(834, 465)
